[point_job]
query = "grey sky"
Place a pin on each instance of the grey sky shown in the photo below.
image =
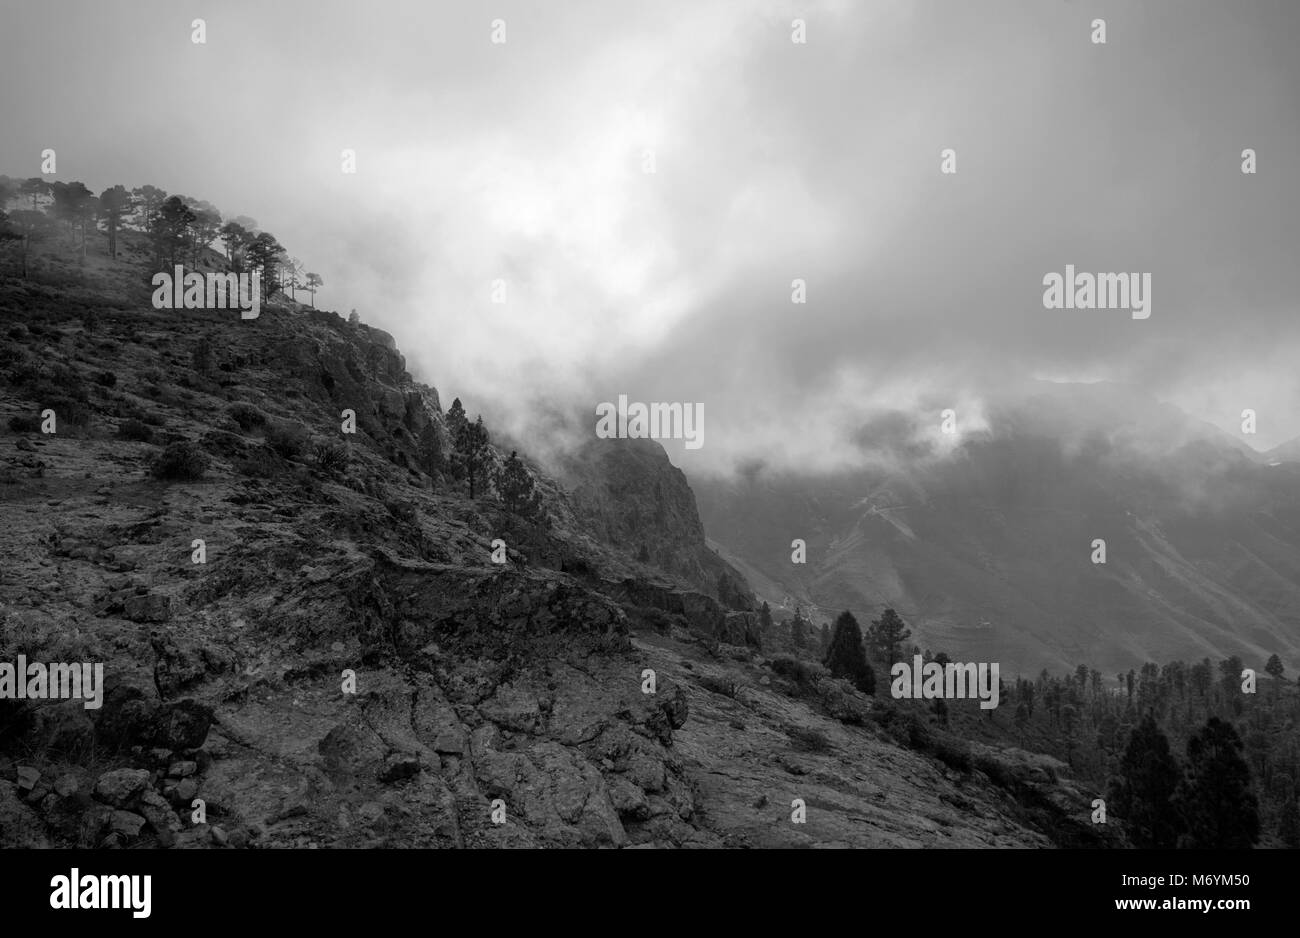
(773, 161)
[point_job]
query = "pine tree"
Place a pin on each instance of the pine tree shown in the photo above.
(1143, 793)
(1275, 669)
(456, 421)
(824, 639)
(941, 711)
(473, 453)
(1216, 798)
(799, 627)
(765, 621)
(846, 658)
(518, 493)
(887, 635)
(1022, 720)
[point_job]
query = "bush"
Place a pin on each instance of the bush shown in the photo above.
(287, 439)
(955, 755)
(136, 430)
(725, 686)
(809, 738)
(261, 463)
(331, 457)
(70, 412)
(800, 672)
(403, 511)
(106, 379)
(246, 415)
(181, 462)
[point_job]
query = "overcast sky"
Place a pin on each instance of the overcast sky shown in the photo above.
(773, 161)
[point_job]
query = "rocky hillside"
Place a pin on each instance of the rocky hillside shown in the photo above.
(495, 704)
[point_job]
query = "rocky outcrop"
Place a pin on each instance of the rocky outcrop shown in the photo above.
(628, 494)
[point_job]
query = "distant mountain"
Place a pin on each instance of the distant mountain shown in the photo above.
(987, 552)
(1283, 452)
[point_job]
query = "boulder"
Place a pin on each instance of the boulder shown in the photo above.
(121, 787)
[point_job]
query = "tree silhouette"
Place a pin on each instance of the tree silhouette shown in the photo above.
(35, 189)
(516, 488)
(148, 200)
(846, 658)
(237, 238)
(764, 620)
(1216, 797)
(456, 419)
(473, 454)
(76, 205)
(1144, 791)
(1275, 669)
(169, 230)
(887, 635)
(30, 226)
(262, 253)
(114, 205)
(314, 283)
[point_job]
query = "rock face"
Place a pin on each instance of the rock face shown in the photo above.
(346, 666)
(632, 498)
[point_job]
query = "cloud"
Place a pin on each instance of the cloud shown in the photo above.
(773, 161)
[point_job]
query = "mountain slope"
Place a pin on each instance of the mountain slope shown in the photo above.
(988, 553)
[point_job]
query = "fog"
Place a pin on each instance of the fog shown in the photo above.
(524, 161)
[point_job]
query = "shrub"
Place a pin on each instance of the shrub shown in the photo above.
(954, 754)
(182, 462)
(261, 463)
(800, 672)
(70, 412)
(287, 439)
(809, 738)
(106, 379)
(136, 430)
(403, 511)
(725, 686)
(331, 457)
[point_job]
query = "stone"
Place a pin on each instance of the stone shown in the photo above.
(28, 776)
(450, 742)
(219, 836)
(186, 791)
(628, 800)
(121, 786)
(162, 819)
(127, 824)
(182, 725)
(182, 769)
(398, 766)
(66, 786)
